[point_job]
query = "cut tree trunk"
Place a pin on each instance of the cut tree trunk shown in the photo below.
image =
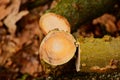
(76, 12)
(95, 54)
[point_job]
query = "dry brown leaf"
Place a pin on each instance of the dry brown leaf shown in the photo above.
(8, 49)
(31, 67)
(107, 20)
(104, 18)
(14, 16)
(11, 24)
(12, 13)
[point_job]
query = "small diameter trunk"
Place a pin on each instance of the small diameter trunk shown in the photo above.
(81, 11)
(99, 55)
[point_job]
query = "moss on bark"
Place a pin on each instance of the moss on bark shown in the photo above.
(99, 54)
